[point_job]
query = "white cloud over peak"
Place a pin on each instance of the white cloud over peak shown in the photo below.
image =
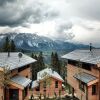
(74, 20)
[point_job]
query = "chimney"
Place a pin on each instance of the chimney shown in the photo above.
(90, 46)
(8, 54)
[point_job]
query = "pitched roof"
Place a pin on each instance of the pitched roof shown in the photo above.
(85, 77)
(92, 57)
(13, 61)
(23, 81)
(49, 72)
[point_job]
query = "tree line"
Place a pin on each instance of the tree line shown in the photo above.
(8, 46)
(56, 64)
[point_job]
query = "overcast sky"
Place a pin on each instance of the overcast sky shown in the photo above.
(67, 20)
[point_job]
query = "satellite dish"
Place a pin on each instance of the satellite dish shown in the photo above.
(20, 56)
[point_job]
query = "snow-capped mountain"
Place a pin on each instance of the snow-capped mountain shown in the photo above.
(33, 42)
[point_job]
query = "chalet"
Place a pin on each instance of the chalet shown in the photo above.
(48, 83)
(20, 75)
(83, 73)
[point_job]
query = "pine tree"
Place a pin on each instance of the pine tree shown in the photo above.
(41, 61)
(32, 55)
(6, 45)
(55, 62)
(52, 60)
(9, 46)
(38, 65)
(13, 47)
(34, 68)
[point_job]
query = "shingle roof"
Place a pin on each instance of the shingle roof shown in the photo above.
(23, 81)
(49, 72)
(87, 56)
(85, 77)
(13, 60)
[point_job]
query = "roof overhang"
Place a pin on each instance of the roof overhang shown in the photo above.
(20, 81)
(42, 79)
(88, 79)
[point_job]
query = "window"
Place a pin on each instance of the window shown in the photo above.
(82, 86)
(56, 84)
(44, 84)
(37, 89)
(72, 62)
(93, 89)
(86, 66)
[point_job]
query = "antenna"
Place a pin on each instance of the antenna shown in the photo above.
(90, 46)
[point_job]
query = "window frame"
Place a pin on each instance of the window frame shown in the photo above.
(82, 86)
(56, 84)
(94, 89)
(44, 84)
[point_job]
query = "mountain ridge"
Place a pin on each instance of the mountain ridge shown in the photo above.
(34, 42)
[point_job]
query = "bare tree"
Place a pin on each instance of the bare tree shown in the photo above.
(46, 81)
(4, 79)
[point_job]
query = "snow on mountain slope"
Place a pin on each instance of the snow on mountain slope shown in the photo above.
(33, 42)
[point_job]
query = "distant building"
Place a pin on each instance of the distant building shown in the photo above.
(19, 65)
(48, 83)
(83, 73)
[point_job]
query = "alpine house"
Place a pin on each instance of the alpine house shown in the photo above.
(49, 83)
(83, 73)
(15, 73)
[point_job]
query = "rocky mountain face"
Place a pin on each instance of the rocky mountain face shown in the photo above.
(33, 42)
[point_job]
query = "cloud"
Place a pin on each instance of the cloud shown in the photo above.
(63, 31)
(88, 9)
(60, 30)
(18, 13)
(57, 19)
(4, 2)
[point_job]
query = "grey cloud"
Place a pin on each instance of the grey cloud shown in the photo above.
(63, 31)
(13, 15)
(13, 18)
(41, 13)
(64, 26)
(4, 2)
(88, 9)
(87, 27)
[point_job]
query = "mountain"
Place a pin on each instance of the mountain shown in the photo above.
(33, 42)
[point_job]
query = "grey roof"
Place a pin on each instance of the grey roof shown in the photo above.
(13, 61)
(23, 81)
(84, 77)
(48, 71)
(87, 56)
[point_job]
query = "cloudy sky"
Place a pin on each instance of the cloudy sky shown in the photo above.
(66, 20)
